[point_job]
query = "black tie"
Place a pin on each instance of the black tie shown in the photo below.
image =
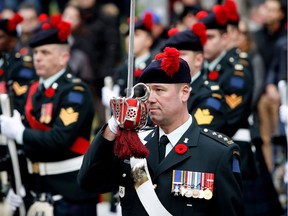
(162, 147)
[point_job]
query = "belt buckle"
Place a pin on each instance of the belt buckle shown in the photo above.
(35, 168)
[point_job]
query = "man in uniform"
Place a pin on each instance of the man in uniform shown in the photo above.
(206, 102)
(56, 128)
(234, 78)
(193, 172)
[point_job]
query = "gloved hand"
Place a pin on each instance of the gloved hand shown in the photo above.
(11, 126)
(112, 124)
(14, 200)
(107, 94)
(283, 112)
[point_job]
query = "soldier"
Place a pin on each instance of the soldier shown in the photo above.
(206, 102)
(234, 79)
(56, 129)
(172, 185)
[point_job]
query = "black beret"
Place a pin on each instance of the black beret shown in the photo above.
(9, 25)
(216, 19)
(55, 31)
(168, 68)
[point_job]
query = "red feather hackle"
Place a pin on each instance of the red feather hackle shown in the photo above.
(220, 14)
(14, 21)
(170, 60)
(173, 31)
(199, 29)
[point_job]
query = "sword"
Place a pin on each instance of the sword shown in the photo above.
(131, 50)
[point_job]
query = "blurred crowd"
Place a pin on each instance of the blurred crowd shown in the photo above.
(99, 44)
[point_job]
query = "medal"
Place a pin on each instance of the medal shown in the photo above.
(207, 194)
(46, 113)
(195, 193)
(188, 193)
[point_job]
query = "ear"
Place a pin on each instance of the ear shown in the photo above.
(65, 58)
(185, 92)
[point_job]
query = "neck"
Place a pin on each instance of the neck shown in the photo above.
(173, 124)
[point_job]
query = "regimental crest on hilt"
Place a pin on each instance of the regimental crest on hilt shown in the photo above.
(131, 112)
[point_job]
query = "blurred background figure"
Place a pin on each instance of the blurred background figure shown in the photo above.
(269, 102)
(79, 42)
(104, 52)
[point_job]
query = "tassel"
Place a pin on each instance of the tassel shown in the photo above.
(128, 145)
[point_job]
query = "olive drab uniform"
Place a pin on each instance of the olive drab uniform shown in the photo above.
(207, 104)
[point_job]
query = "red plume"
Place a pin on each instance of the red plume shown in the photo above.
(173, 31)
(148, 20)
(64, 30)
(199, 29)
(231, 10)
(43, 17)
(55, 20)
(170, 60)
(220, 14)
(201, 14)
(14, 21)
(46, 26)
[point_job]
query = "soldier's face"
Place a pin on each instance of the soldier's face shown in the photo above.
(194, 60)
(161, 111)
(50, 59)
(142, 42)
(215, 45)
(5, 42)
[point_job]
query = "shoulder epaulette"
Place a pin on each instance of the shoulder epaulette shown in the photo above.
(217, 136)
(211, 85)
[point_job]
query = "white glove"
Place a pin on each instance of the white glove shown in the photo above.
(108, 93)
(283, 112)
(11, 127)
(14, 200)
(112, 124)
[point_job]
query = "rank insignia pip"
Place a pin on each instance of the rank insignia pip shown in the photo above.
(68, 116)
(203, 116)
(19, 90)
(233, 100)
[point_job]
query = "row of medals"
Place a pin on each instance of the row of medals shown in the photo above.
(193, 192)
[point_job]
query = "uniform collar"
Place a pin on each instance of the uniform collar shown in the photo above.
(212, 65)
(48, 82)
(175, 135)
(141, 59)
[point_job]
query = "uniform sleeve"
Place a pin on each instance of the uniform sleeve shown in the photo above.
(210, 113)
(227, 185)
(238, 88)
(99, 168)
(72, 117)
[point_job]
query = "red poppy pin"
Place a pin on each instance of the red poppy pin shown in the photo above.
(49, 92)
(181, 149)
(1, 72)
(213, 75)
